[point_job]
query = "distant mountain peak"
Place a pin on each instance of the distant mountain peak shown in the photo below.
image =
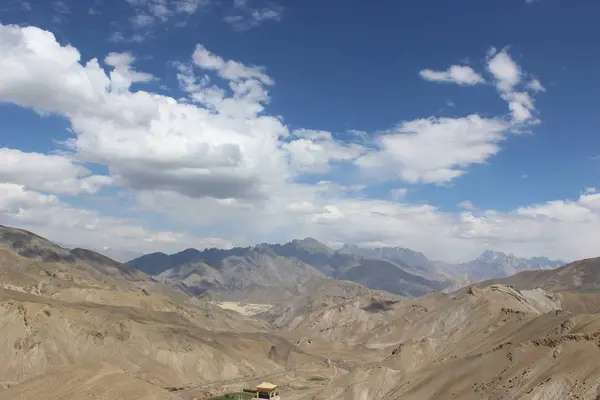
(311, 244)
(495, 256)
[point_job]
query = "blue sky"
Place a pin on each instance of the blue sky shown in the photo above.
(447, 128)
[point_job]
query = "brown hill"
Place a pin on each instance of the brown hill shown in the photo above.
(86, 381)
(583, 275)
(72, 322)
(61, 308)
(38, 335)
(490, 343)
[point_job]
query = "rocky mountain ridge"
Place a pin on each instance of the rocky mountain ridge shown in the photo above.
(397, 270)
(279, 267)
(73, 321)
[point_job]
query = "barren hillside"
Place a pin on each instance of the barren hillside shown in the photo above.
(62, 309)
(582, 275)
(490, 344)
(74, 323)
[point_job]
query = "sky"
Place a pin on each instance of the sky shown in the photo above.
(445, 127)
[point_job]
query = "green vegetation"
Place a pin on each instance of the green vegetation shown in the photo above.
(234, 396)
(318, 379)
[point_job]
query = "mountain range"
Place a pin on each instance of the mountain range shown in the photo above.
(76, 324)
(279, 268)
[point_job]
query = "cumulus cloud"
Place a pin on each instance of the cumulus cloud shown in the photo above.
(459, 74)
(508, 75)
(434, 150)
(216, 163)
(230, 70)
(122, 76)
(48, 216)
(14, 199)
(566, 229)
(505, 70)
(48, 173)
(314, 151)
(149, 141)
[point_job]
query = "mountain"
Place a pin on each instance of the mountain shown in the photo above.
(257, 272)
(406, 259)
(155, 263)
(69, 319)
(397, 270)
(32, 246)
(490, 343)
(87, 381)
(344, 304)
(582, 275)
(77, 324)
(494, 264)
(33, 264)
(312, 252)
(194, 278)
(119, 255)
(278, 269)
(382, 275)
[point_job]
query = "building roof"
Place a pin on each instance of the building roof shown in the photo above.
(266, 386)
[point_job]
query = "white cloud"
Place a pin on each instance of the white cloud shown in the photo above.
(459, 74)
(61, 7)
(467, 205)
(434, 150)
(266, 14)
(141, 20)
(48, 216)
(559, 210)
(15, 198)
(590, 189)
(149, 141)
(230, 70)
(189, 6)
(148, 13)
(48, 173)
(519, 111)
(122, 76)
(398, 194)
(246, 17)
(505, 70)
(559, 229)
(217, 164)
(313, 151)
(536, 86)
(26, 5)
(61, 10)
(508, 75)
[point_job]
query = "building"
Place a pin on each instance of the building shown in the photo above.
(267, 390)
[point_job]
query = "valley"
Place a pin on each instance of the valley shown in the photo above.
(74, 323)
